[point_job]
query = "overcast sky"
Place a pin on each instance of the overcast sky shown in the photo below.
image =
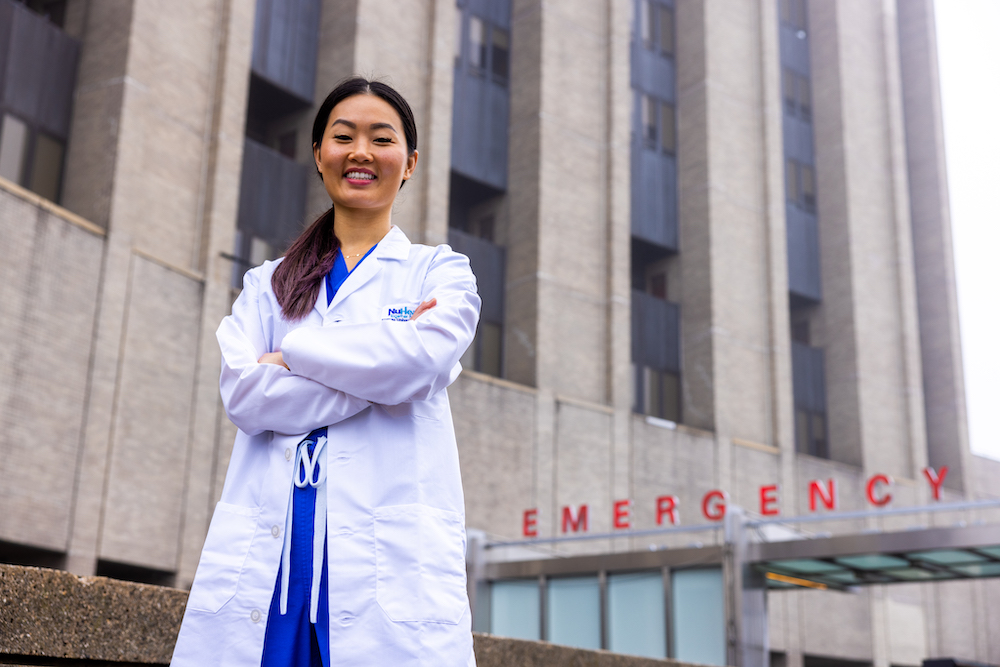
(969, 54)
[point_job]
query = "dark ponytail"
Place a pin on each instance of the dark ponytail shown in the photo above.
(297, 279)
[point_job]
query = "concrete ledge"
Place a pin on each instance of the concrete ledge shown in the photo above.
(51, 617)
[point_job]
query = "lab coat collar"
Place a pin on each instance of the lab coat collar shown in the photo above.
(393, 246)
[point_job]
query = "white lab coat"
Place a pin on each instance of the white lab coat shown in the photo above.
(395, 508)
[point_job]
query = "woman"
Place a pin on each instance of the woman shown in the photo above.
(340, 536)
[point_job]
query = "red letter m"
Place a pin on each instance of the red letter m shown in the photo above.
(578, 523)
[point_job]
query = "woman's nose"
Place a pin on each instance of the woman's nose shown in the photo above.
(361, 152)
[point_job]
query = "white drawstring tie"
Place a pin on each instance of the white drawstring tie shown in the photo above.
(305, 468)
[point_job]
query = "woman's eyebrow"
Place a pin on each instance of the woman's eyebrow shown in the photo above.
(373, 126)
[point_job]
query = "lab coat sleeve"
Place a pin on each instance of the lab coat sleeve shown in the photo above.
(390, 362)
(267, 397)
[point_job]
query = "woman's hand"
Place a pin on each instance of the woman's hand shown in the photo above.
(423, 308)
(276, 358)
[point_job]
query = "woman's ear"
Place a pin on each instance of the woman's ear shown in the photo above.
(411, 165)
(316, 158)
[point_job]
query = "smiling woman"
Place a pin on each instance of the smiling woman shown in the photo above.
(335, 364)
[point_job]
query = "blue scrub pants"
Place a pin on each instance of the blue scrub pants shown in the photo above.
(291, 640)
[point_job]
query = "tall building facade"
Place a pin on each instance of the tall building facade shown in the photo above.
(712, 239)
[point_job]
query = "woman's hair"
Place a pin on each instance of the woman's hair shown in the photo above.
(297, 279)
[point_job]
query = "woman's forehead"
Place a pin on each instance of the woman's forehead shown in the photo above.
(365, 110)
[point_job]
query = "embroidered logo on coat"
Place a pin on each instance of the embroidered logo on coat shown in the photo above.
(401, 313)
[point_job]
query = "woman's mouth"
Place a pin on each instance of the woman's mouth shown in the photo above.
(359, 176)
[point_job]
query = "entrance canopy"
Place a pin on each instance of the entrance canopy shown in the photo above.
(930, 554)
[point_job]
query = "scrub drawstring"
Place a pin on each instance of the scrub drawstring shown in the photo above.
(306, 468)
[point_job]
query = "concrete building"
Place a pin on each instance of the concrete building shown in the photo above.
(712, 239)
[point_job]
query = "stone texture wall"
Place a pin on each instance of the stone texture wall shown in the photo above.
(48, 617)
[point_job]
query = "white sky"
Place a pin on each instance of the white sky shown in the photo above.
(969, 55)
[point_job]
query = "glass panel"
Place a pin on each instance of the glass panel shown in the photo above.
(788, 89)
(489, 353)
(46, 167)
(698, 616)
(873, 562)
(914, 574)
(805, 97)
(992, 551)
(477, 42)
(573, 613)
(13, 141)
(948, 556)
(791, 181)
(667, 134)
(980, 570)
(501, 49)
(802, 430)
(671, 397)
(818, 433)
(666, 30)
(648, 105)
(514, 609)
(636, 623)
(646, 23)
(651, 390)
(804, 566)
(808, 188)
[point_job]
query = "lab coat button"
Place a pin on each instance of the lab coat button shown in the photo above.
(255, 616)
(288, 454)
(275, 531)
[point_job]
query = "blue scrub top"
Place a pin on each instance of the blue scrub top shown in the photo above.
(290, 640)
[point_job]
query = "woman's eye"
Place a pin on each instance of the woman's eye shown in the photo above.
(342, 137)
(384, 140)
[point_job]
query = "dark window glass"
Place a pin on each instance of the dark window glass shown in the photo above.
(817, 433)
(477, 43)
(658, 285)
(788, 90)
(648, 119)
(808, 182)
(46, 167)
(661, 393)
(802, 430)
(668, 134)
(501, 52)
(804, 98)
(666, 30)
(791, 181)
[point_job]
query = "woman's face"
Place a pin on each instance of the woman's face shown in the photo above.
(363, 157)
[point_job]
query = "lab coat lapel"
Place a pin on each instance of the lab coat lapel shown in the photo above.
(394, 246)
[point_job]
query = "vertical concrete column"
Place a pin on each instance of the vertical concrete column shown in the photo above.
(933, 254)
(235, 47)
(867, 312)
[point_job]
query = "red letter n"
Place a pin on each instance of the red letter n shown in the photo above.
(828, 496)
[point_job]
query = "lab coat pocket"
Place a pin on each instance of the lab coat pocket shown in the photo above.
(420, 563)
(226, 548)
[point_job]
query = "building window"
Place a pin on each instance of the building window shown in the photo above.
(796, 93)
(30, 158)
(810, 433)
(800, 185)
(668, 132)
(477, 43)
(656, 27)
(500, 56)
(661, 394)
(793, 13)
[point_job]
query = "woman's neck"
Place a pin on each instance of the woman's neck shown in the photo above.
(357, 233)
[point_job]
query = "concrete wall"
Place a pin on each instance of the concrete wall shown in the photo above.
(55, 618)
